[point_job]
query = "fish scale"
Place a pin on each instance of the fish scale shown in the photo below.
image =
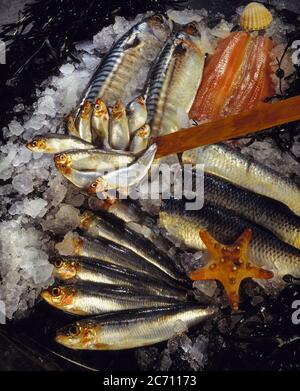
(265, 249)
(130, 53)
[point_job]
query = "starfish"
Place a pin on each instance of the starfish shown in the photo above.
(229, 265)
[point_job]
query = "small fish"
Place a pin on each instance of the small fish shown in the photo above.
(100, 118)
(83, 123)
(72, 130)
(140, 140)
(80, 179)
(56, 143)
(93, 299)
(261, 210)
(94, 159)
(73, 269)
(174, 80)
(125, 177)
(99, 227)
(133, 328)
(228, 163)
(110, 252)
(136, 114)
(119, 136)
(265, 249)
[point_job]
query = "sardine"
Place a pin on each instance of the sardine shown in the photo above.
(140, 140)
(136, 114)
(83, 123)
(56, 143)
(265, 249)
(134, 50)
(174, 81)
(94, 159)
(228, 163)
(101, 228)
(134, 328)
(126, 177)
(73, 269)
(261, 210)
(100, 119)
(107, 251)
(93, 299)
(118, 127)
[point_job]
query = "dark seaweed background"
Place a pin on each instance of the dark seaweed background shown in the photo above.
(260, 337)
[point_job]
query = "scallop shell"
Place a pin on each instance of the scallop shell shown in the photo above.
(255, 17)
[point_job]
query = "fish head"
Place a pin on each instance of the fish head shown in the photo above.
(86, 109)
(98, 186)
(64, 268)
(192, 29)
(79, 335)
(62, 160)
(160, 26)
(38, 144)
(118, 111)
(60, 297)
(86, 220)
(144, 131)
(100, 109)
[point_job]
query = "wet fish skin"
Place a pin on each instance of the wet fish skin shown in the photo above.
(100, 121)
(93, 299)
(226, 162)
(140, 140)
(80, 179)
(135, 49)
(110, 252)
(83, 123)
(57, 143)
(261, 210)
(82, 269)
(174, 80)
(265, 249)
(119, 136)
(136, 114)
(125, 177)
(101, 228)
(133, 328)
(94, 159)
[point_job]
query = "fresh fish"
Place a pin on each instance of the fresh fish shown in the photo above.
(134, 50)
(83, 123)
(134, 328)
(73, 269)
(125, 177)
(265, 249)
(174, 81)
(94, 159)
(56, 143)
(100, 118)
(118, 127)
(107, 251)
(99, 227)
(136, 114)
(261, 210)
(228, 163)
(93, 299)
(140, 140)
(72, 130)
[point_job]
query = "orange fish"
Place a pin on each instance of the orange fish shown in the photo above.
(237, 77)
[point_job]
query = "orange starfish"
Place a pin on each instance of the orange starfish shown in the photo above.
(229, 265)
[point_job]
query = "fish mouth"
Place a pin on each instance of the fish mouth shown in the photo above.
(46, 296)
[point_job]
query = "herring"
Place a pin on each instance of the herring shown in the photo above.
(56, 143)
(133, 328)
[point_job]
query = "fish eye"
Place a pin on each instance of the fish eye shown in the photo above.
(74, 330)
(56, 291)
(34, 143)
(94, 184)
(157, 18)
(58, 263)
(191, 28)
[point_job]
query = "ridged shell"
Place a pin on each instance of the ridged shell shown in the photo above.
(255, 17)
